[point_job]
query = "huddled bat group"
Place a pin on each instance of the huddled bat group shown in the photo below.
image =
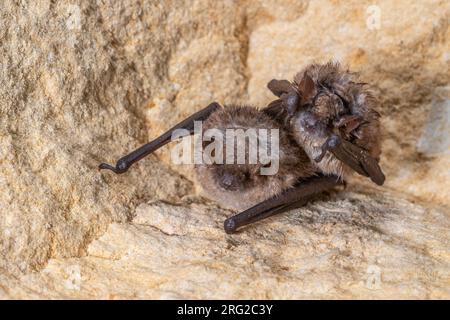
(328, 128)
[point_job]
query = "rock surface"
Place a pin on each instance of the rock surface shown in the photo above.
(347, 245)
(85, 82)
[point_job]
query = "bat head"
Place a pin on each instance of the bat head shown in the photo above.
(321, 103)
(239, 181)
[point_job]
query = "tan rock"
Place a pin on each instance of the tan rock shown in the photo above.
(83, 83)
(347, 245)
(76, 80)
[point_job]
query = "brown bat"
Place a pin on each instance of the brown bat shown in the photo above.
(333, 118)
(241, 186)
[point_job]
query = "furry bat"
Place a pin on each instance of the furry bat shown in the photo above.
(326, 124)
(333, 118)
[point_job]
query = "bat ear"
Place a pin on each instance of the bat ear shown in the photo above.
(307, 88)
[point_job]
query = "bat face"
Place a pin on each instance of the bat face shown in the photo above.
(313, 123)
(241, 185)
(310, 130)
(333, 103)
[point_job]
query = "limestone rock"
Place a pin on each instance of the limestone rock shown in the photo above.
(347, 245)
(77, 80)
(85, 82)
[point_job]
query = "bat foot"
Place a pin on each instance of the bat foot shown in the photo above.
(120, 167)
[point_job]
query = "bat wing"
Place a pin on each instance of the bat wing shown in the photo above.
(355, 157)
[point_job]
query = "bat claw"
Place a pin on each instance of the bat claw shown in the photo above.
(119, 168)
(106, 166)
(320, 156)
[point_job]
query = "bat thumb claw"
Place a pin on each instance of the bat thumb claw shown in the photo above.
(320, 156)
(105, 166)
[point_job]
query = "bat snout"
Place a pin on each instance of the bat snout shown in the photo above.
(308, 121)
(232, 181)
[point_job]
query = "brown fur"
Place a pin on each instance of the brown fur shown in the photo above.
(246, 187)
(336, 93)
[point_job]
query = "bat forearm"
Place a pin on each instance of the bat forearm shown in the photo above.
(124, 163)
(297, 196)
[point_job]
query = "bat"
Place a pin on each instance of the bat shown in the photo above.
(332, 117)
(302, 164)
